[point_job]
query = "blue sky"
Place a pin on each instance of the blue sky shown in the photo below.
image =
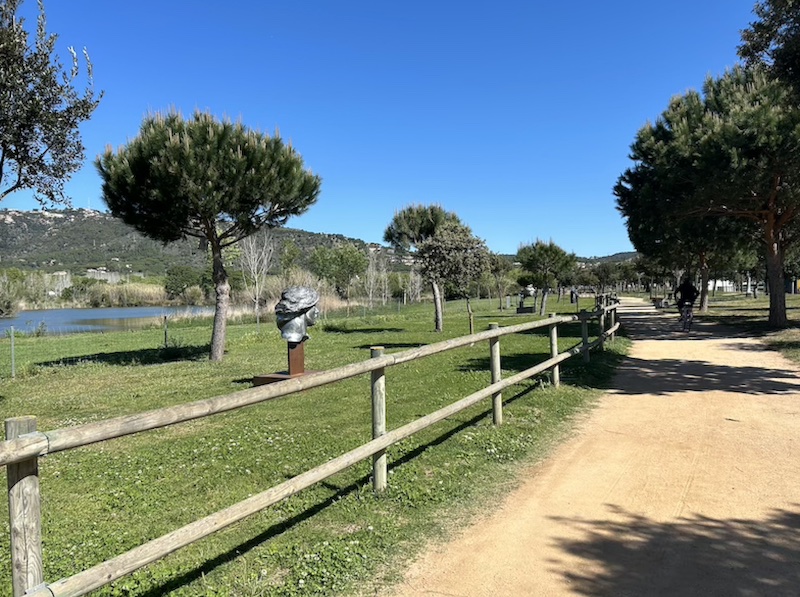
(516, 115)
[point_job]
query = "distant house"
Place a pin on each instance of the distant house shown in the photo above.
(721, 286)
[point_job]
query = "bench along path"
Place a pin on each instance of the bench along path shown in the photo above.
(685, 480)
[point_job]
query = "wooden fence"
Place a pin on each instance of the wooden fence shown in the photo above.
(23, 446)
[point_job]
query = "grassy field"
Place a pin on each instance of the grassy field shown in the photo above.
(336, 538)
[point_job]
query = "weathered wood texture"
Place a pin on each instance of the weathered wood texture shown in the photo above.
(554, 353)
(379, 464)
(24, 513)
(496, 370)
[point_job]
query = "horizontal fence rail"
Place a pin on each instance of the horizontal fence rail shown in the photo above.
(20, 452)
(40, 443)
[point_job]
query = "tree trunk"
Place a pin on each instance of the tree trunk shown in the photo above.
(544, 301)
(471, 317)
(437, 307)
(775, 282)
(223, 292)
(704, 278)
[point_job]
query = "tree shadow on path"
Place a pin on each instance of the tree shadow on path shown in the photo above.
(671, 375)
(667, 376)
(664, 325)
(693, 556)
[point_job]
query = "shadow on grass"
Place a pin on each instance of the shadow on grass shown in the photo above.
(333, 328)
(145, 356)
(565, 330)
(755, 325)
(388, 345)
(505, 315)
(339, 493)
(597, 373)
(772, 343)
(692, 556)
(509, 362)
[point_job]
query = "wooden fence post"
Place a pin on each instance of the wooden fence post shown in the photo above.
(379, 468)
(24, 514)
(585, 334)
(613, 315)
(554, 352)
(494, 361)
(602, 322)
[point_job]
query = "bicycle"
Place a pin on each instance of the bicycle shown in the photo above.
(687, 316)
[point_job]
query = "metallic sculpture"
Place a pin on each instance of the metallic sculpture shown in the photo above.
(296, 312)
(527, 291)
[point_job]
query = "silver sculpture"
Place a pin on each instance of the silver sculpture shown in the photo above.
(296, 312)
(527, 291)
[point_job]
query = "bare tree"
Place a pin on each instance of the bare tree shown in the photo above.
(371, 280)
(383, 282)
(414, 286)
(255, 259)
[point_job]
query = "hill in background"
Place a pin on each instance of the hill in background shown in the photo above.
(78, 239)
(615, 258)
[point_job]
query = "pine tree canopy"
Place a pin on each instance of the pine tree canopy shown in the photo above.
(187, 177)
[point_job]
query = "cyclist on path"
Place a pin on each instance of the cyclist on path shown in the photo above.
(686, 293)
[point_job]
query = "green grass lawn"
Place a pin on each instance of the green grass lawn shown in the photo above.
(335, 538)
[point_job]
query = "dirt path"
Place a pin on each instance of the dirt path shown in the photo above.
(684, 481)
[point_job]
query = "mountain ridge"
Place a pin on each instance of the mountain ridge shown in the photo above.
(79, 239)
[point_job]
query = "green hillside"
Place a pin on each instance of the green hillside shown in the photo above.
(77, 239)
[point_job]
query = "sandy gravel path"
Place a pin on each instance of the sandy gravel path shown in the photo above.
(684, 481)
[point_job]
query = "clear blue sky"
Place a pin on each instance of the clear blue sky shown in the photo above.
(517, 115)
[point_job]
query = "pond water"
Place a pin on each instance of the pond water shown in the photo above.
(69, 321)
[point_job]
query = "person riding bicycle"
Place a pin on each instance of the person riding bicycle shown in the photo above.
(686, 293)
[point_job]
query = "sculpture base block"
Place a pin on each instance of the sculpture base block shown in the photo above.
(260, 380)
